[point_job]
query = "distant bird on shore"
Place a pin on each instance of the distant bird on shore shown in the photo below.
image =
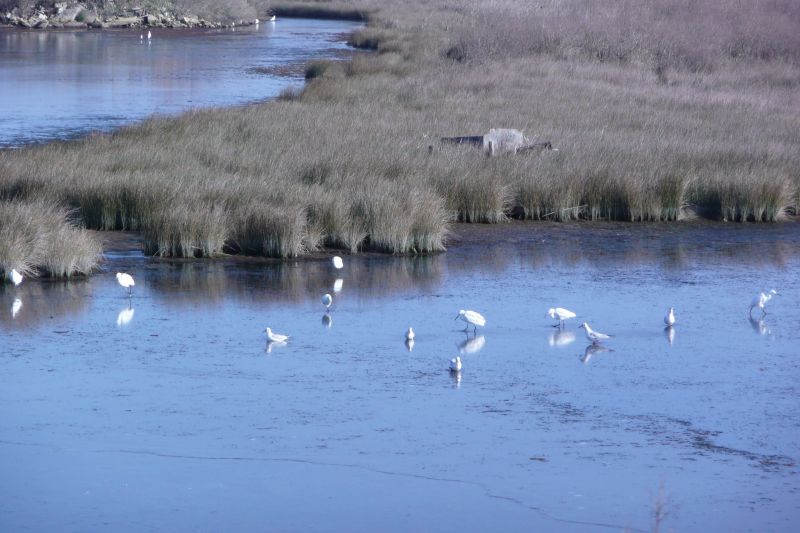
(327, 300)
(256, 22)
(669, 319)
(337, 262)
(594, 336)
(455, 364)
(472, 318)
(15, 277)
(126, 280)
(149, 35)
(560, 314)
(410, 334)
(272, 18)
(761, 301)
(275, 337)
(141, 37)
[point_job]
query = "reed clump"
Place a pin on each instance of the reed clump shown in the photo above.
(38, 238)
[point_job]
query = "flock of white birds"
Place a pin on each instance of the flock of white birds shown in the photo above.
(471, 318)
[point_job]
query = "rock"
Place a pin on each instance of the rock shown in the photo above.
(123, 22)
(97, 24)
(22, 23)
(151, 20)
(41, 24)
(68, 14)
(190, 20)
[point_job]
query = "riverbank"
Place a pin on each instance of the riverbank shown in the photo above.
(658, 124)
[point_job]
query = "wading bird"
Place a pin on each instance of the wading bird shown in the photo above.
(455, 364)
(15, 277)
(472, 318)
(337, 262)
(410, 334)
(327, 300)
(149, 35)
(669, 319)
(275, 337)
(272, 18)
(761, 300)
(594, 336)
(560, 314)
(126, 280)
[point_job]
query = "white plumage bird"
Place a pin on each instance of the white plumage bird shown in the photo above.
(761, 301)
(149, 35)
(337, 262)
(272, 18)
(327, 300)
(15, 277)
(410, 334)
(560, 314)
(594, 336)
(455, 364)
(669, 319)
(472, 318)
(275, 337)
(126, 280)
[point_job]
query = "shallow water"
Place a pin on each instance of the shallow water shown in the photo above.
(59, 84)
(175, 414)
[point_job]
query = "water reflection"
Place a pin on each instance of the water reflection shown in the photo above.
(472, 345)
(15, 308)
(455, 375)
(759, 325)
(561, 338)
(37, 301)
(327, 320)
(669, 334)
(409, 344)
(125, 316)
(337, 285)
(273, 344)
(592, 350)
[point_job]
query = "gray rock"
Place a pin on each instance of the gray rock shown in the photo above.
(151, 20)
(123, 22)
(96, 24)
(41, 24)
(22, 23)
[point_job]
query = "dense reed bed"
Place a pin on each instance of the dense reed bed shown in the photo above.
(653, 122)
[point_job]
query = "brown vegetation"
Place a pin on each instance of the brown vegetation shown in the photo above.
(653, 117)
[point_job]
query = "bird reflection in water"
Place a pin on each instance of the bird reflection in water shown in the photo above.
(561, 337)
(273, 344)
(337, 285)
(409, 344)
(472, 345)
(327, 320)
(669, 333)
(591, 350)
(760, 326)
(15, 307)
(125, 316)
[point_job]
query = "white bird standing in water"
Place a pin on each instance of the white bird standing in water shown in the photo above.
(15, 277)
(455, 364)
(560, 314)
(594, 336)
(272, 18)
(761, 300)
(275, 337)
(327, 300)
(149, 35)
(126, 280)
(669, 319)
(337, 262)
(472, 318)
(410, 334)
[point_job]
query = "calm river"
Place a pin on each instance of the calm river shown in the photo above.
(170, 412)
(58, 84)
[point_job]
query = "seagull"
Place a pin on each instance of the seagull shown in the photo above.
(126, 281)
(15, 277)
(455, 364)
(761, 300)
(410, 334)
(669, 320)
(560, 314)
(337, 262)
(327, 300)
(275, 337)
(472, 318)
(594, 336)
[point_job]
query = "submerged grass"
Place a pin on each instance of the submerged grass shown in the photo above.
(650, 125)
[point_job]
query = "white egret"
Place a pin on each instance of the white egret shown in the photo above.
(327, 300)
(410, 334)
(126, 280)
(275, 337)
(337, 262)
(761, 300)
(669, 319)
(337, 285)
(594, 336)
(125, 316)
(560, 314)
(257, 22)
(15, 307)
(472, 318)
(473, 345)
(455, 364)
(272, 18)
(561, 338)
(15, 277)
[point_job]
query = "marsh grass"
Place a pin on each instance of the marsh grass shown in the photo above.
(649, 125)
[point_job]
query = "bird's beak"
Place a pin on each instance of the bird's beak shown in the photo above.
(456, 318)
